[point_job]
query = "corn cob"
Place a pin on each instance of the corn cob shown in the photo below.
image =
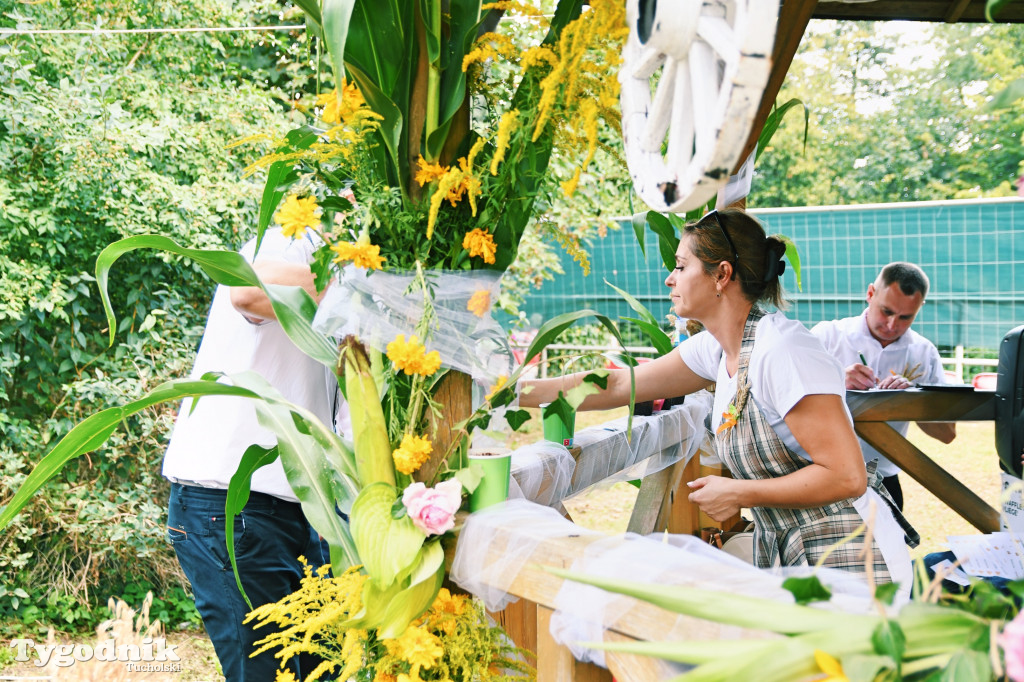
(370, 433)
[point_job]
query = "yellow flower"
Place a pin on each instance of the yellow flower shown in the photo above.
(499, 384)
(480, 243)
(362, 254)
(296, 215)
(509, 122)
(830, 666)
(479, 303)
(417, 647)
(411, 357)
(429, 172)
(285, 675)
(412, 453)
(381, 676)
(341, 108)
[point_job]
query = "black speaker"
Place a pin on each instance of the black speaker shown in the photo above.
(1010, 403)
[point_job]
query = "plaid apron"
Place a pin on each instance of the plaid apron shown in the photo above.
(791, 537)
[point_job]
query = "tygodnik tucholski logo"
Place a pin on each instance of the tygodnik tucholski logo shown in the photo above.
(150, 655)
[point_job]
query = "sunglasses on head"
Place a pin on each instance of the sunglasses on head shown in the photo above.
(732, 247)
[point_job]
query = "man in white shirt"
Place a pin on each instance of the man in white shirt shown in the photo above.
(207, 444)
(879, 350)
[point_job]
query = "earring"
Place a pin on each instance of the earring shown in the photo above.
(718, 295)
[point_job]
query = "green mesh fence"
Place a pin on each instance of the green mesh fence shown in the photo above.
(972, 250)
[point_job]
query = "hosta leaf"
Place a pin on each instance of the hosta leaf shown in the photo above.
(387, 546)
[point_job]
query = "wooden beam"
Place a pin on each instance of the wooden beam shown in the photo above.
(956, 10)
(793, 18)
(919, 405)
(925, 471)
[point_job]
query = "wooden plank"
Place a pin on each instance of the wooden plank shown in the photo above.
(925, 471)
(654, 490)
(555, 663)
(793, 18)
(956, 10)
(919, 405)
(519, 620)
(684, 516)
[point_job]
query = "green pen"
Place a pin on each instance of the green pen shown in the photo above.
(863, 360)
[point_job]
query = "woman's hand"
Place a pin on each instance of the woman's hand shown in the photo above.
(717, 496)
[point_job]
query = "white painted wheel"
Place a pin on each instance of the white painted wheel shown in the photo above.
(707, 63)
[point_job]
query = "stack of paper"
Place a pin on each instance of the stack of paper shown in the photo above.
(992, 555)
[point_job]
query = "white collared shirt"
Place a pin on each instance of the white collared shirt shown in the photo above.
(911, 355)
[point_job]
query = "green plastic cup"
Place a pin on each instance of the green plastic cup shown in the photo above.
(559, 422)
(493, 487)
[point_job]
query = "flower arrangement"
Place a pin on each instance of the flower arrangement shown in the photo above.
(419, 163)
(451, 640)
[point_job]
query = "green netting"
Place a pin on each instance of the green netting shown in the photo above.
(972, 250)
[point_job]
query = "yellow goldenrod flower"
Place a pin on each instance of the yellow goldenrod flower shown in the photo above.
(830, 666)
(419, 648)
(480, 243)
(411, 356)
(569, 186)
(499, 384)
(412, 453)
(509, 122)
(285, 675)
(449, 181)
(361, 254)
(479, 303)
(296, 215)
(428, 172)
(341, 108)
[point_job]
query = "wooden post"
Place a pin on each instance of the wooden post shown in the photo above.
(455, 395)
(555, 663)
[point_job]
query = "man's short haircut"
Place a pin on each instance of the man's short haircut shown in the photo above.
(910, 277)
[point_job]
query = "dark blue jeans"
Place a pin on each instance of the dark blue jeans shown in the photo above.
(270, 535)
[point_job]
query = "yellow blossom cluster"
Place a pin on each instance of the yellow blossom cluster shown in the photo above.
(480, 243)
(343, 108)
(480, 302)
(453, 183)
(412, 453)
(508, 124)
(411, 356)
(499, 384)
(419, 647)
(320, 605)
(361, 254)
(296, 214)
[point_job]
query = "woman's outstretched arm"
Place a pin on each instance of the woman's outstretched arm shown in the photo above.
(664, 377)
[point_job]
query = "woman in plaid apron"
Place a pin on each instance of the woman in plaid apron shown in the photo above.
(783, 427)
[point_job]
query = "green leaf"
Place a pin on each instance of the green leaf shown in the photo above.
(292, 305)
(388, 546)
(886, 592)
(654, 333)
(793, 256)
(993, 6)
(470, 476)
(639, 223)
(668, 241)
(723, 607)
(807, 589)
(774, 120)
(516, 418)
(390, 610)
(598, 377)
(550, 330)
(254, 457)
(1006, 97)
(889, 640)
(967, 665)
(866, 668)
(636, 305)
(336, 17)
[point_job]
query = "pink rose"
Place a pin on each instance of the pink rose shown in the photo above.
(1012, 641)
(433, 509)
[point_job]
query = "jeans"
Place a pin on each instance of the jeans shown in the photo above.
(270, 535)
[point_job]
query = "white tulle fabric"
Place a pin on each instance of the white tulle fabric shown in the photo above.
(495, 545)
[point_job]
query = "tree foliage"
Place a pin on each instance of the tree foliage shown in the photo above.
(895, 119)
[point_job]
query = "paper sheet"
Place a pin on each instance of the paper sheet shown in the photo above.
(986, 556)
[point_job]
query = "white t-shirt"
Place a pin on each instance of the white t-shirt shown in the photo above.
(786, 364)
(846, 339)
(207, 445)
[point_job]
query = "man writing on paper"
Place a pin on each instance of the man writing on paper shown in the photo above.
(879, 350)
